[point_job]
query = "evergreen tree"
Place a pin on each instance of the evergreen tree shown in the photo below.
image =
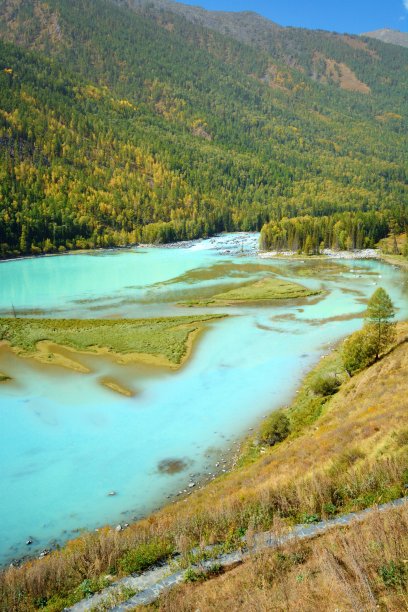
(379, 326)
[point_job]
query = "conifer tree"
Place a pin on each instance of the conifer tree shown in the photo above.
(379, 325)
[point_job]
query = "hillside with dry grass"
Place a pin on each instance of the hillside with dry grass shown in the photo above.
(361, 567)
(345, 452)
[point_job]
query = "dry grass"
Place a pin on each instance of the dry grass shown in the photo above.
(355, 42)
(343, 75)
(393, 245)
(362, 567)
(345, 453)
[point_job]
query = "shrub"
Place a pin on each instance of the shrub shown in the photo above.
(192, 575)
(393, 574)
(199, 575)
(309, 519)
(275, 428)
(329, 509)
(325, 385)
(144, 555)
(358, 352)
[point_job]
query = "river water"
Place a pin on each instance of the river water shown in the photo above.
(66, 441)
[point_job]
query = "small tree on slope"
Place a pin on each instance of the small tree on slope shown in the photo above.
(363, 347)
(378, 321)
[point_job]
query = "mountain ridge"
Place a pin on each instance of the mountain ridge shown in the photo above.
(387, 35)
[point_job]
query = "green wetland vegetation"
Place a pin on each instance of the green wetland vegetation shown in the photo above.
(260, 291)
(165, 339)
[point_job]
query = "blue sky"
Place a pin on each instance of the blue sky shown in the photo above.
(352, 16)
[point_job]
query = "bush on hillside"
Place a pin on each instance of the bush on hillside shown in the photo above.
(145, 555)
(326, 385)
(358, 352)
(275, 429)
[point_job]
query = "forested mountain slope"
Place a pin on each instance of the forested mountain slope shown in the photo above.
(123, 123)
(321, 55)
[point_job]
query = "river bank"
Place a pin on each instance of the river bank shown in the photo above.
(325, 253)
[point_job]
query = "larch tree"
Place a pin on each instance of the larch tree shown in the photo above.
(378, 321)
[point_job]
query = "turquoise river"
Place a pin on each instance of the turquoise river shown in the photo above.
(66, 441)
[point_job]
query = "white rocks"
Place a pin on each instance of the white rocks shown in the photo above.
(43, 553)
(118, 528)
(356, 254)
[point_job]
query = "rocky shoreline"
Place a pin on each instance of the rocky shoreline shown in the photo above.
(220, 462)
(326, 253)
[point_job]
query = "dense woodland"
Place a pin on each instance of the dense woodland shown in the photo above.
(123, 124)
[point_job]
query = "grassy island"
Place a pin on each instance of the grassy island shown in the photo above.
(166, 342)
(263, 290)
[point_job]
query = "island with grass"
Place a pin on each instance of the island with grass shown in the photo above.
(162, 342)
(265, 290)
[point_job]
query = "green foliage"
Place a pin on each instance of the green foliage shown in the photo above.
(275, 428)
(262, 290)
(365, 346)
(165, 337)
(394, 574)
(380, 312)
(309, 519)
(200, 575)
(145, 555)
(329, 509)
(405, 249)
(88, 587)
(358, 352)
(326, 385)
(192, 575)
(341, 230)
(120, 126)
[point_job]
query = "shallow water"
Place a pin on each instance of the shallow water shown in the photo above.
(66, 440)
